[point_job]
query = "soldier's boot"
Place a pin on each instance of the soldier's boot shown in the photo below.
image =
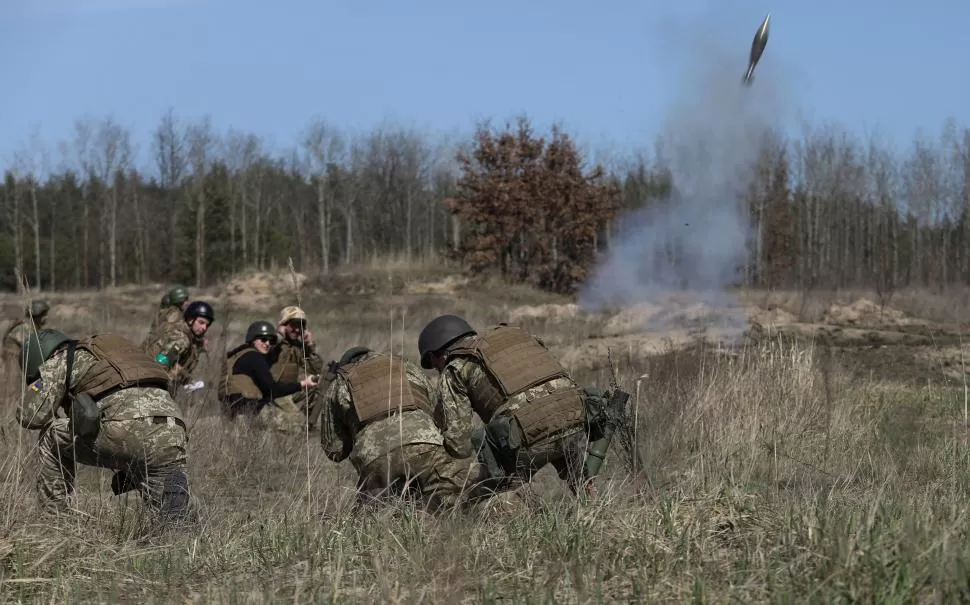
(176, 507)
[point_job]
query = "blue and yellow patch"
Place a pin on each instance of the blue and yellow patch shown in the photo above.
(37, 386)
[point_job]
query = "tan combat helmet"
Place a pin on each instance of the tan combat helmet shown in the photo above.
(291, 313)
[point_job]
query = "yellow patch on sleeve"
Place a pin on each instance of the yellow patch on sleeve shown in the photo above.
(37, 385)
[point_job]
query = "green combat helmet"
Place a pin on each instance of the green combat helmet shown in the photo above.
(38, 347)
(261, 328)
(177, 295)
(165, 302)
(352, 353)
(38, 308)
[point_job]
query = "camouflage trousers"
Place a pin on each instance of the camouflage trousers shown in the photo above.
(309, 403)
(284, 415)
(425, 471)
(511, 463)
(150, 453)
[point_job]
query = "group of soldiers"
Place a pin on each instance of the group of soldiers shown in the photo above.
(105, 401)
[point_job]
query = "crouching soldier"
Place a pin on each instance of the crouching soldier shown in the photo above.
(534, 412)
(247, 386)
(377, 411)
(294, 358)
(170, 309)
(179, 344)
(118, 414)
(16, 335)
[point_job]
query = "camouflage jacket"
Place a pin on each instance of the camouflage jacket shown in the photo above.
(341, 436)
(163, 316)
(454, 410)
(179, 349)
(15, 337)
(44, 396)
(292, 361)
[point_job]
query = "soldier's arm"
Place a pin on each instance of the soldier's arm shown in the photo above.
(334, 437)
(171, 347)
(314, 363)
(453, 412)
(43, 397)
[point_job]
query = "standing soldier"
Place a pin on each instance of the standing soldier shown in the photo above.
(378, 412)
(169, 310)
(118, 415)
(35, 316)
(534, 413)
(179, 344)
(293, 359)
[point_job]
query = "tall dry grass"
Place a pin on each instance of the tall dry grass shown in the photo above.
(764, 474)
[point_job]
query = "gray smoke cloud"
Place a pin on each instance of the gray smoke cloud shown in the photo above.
(696, 241)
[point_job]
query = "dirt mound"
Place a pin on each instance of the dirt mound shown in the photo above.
(864, 312)
(448, 285)
(548, 311)
(660, 318)
(774, 318)
(262, 290)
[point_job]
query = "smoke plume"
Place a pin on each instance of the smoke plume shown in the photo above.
(695, 241)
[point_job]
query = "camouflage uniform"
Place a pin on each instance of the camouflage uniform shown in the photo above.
(292, 361)
(527, 427)
(182, 349)
(166, 315)
(13, 339)
(390, 450)
(142, 435)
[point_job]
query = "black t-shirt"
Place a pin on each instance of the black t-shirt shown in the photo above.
(255, 365)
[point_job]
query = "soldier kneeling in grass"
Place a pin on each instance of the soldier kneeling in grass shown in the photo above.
(534, 413)
(247, 387)
(118, 414)
(377, 411)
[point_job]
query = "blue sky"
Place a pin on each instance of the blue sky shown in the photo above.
(599, 68)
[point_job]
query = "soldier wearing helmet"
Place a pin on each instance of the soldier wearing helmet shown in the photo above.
(293, 358)
(247, 386)
(101, 401)
(170, 310)
(535, 414)
(378, 412)
(179, 345)
(35, 316)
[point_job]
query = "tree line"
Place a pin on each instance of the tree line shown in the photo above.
(827, 210)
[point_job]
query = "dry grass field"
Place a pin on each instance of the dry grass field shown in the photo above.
(794, 448)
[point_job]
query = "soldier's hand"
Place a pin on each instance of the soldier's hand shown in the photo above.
(309, 382)
(308, 337)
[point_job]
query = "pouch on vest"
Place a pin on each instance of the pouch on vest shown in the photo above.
(85, 416)
(504, 440)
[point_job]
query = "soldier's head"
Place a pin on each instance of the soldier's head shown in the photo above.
(37, 312)
(199, 315)
(437, 335)
(179, 297)
(38, 348)
(353, 354)
(292, 323)
(262, 335)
